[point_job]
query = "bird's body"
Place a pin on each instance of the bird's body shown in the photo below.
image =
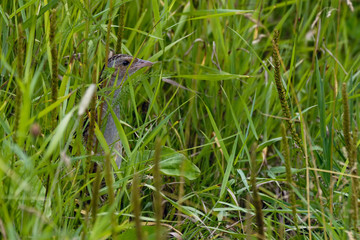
(124, 66)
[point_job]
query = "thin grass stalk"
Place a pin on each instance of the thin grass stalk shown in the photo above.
(248, 219)
(20, 69)
(88, 164)
(108, 33)
(346, 124)
(354, 151)
(354, 183)
(157, 184)
(181, 192)
(120, 31)
(107, 57)
(354, 172)
(95, 195)
(54, 66)
(135, 202)
(317, 182)
(194, 86)
(281, 230)
(307, 165)
(333, 105)
(18, 92)
(354, 204)
(256, 196)
(286, 153)
(350, 145)
(109, 183)
(91, 145)
(54, 89)
(281, 92)
(86, 42)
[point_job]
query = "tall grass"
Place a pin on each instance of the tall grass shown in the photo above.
(210, 96)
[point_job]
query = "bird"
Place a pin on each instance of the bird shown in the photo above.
(123, 66)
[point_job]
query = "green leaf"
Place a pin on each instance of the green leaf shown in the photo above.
(210, 77)
(175, 164)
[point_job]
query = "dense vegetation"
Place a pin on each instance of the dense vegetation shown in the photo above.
(246, 126)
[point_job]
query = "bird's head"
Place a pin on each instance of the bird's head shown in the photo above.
(126, 64)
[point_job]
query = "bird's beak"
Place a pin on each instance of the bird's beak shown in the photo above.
(143, 63)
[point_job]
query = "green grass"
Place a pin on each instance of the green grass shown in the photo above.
(210, 100)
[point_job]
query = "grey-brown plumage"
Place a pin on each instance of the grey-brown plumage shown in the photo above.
(124, 66)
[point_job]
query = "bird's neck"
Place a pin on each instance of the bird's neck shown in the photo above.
(117, 98)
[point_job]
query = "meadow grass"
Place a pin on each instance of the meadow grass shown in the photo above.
(246, 126)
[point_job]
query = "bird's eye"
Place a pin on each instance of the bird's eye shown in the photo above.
(125, 63)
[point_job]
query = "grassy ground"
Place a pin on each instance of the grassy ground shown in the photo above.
(245, 137)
